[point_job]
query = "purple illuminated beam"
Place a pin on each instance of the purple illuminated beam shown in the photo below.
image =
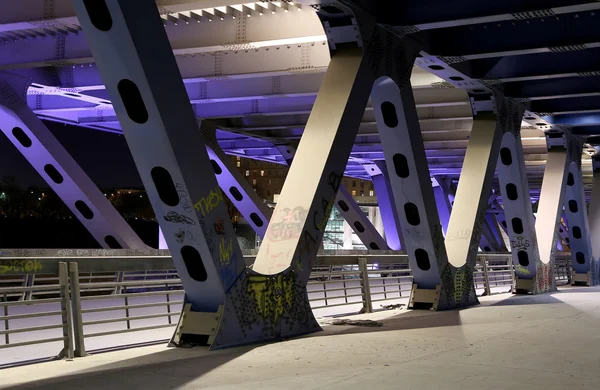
(47, 156)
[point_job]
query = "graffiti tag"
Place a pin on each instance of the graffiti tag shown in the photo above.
(175, 217)
(184, 199)
(225, 251)
(520, 243)
(220, 227)
(274, 297)
(25, 266)
(209, 202)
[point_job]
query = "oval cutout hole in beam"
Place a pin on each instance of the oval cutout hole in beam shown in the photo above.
(164, 185)
(84, 209)
(506, 156)
(53, 173)
(23, 138)
(573, 206)
(344, 206)
(422, 258)
(523, 258)
(517, 225)
(237, 195)
(256, 219)
(193, 263)
(511, 191)
(133, 101)
(359, 227)
(112, 242)
(401, 165)
(99, 14)
(388, 111)
(216, 167)
(412, 214)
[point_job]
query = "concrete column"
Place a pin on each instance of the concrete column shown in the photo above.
(549, 212)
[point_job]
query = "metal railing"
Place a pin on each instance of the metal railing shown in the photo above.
(80, 303)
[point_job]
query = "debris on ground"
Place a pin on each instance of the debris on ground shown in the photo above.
(367, 323)
(393, 307)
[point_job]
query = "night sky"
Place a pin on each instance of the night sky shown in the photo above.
(105, 157)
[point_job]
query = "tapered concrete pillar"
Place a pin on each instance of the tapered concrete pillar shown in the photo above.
(550, 210)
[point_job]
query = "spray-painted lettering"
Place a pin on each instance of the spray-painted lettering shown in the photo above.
(210, 202)
(225, 251)
(21, 266)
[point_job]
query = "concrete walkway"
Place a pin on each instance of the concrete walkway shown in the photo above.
(524, 342)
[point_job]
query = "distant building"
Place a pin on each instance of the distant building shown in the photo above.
(267, 180)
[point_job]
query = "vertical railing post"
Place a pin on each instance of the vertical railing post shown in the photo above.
(365, 286)
(513, 273)
(168, 297)
(6, 336)
(76, 307)
(486, 278)
(127, 312)
(65, 306)
(29, 281)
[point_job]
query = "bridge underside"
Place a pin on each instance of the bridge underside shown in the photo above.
(469, 120)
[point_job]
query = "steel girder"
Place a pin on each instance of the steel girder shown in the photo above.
(594, 220)
(584, 266)
(234, 185)
(271, 300)
(448, 279)
(62, 173)
(133, 53)
(188, 39)
(518, 213)
(379, 174)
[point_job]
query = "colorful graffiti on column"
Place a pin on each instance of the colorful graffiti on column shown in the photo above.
(261, 307)
(458, 288)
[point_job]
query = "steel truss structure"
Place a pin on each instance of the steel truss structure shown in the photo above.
(394, 92)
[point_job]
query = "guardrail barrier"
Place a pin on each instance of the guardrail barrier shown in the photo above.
(74, 301)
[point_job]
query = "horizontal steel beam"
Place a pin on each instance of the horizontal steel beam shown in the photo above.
(572, 31)
(431, 14)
